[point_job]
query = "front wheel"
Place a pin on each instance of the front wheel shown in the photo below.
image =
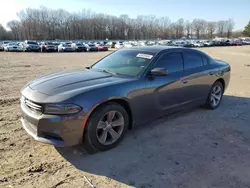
(106, 127)
(215, 96)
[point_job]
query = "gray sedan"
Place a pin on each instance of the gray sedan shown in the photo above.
(97, 105)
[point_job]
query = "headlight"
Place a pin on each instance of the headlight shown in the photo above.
(61, 108)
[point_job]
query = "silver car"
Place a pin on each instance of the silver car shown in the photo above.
(13, 47)
(31, 46)
(65, 47)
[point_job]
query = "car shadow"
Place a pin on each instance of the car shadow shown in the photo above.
(185, 149)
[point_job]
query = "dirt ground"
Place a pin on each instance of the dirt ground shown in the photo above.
(193, 149)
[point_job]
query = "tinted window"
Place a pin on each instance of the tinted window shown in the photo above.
(192, 60)
(205, 60)
(173, 62)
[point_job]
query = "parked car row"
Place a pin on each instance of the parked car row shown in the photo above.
(69, 46)
(181, 43)
(33, 46)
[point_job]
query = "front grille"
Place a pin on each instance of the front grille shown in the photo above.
(33, 106)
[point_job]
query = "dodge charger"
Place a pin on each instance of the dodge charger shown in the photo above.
(95, 106)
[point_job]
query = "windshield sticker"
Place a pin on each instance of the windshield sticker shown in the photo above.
(146, 56)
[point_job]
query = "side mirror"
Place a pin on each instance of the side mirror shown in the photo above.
(159, 72)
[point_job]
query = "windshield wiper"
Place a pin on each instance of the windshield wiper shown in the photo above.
(109, 72)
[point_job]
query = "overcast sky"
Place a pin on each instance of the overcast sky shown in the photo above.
(212, 10)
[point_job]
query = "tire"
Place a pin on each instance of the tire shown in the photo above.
(93, 134)
(210, 104)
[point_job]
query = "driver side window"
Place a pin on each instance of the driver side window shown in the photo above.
(173, 62)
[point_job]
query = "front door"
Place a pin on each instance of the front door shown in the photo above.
(168, 91)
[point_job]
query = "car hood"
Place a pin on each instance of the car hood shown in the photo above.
(73, 82)
(33, 45)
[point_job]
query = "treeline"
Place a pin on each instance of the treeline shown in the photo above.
(49, 24)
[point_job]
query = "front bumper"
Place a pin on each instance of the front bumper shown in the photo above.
(15, 49)
(93, 49)
(67, 50)
(82, 49)
(58, 130)
(33, 49)
(50, 49)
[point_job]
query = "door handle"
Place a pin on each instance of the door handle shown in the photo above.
(184, 81)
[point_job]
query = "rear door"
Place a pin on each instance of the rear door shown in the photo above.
(196, 79)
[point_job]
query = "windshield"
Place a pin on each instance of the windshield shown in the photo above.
(125, 62)
(78, 44)
(29, 42)
(12, 44)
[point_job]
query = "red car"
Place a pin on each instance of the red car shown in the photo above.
(237, 43)
(48, 47)
(102, 48)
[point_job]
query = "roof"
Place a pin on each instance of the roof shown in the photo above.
(155, 49)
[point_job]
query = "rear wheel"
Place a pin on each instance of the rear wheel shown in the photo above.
(215, 96)
(105, 128)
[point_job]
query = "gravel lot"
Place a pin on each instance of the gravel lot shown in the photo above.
(193, 149)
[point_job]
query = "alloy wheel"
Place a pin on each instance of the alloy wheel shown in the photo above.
(110, 127)
(215, 96)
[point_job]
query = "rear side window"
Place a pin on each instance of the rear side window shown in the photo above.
(192, 60)
(173, 62)
(205, 60)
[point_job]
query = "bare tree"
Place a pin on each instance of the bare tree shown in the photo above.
(221, 27)
(179, 28)
(188, 28)
(229, 26)
(198, 26)
(211, 28)
(46, 24)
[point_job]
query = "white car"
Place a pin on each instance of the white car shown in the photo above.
(141, 43)
(208, 43)
(3, 44)
(65, 47)
(246, 42)
(13, 47)
(133, 43)
(109, 44)
(150, 43)
(119, 45)
(79, 47)
(127, 45)
(196, 44)
(180, 43)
